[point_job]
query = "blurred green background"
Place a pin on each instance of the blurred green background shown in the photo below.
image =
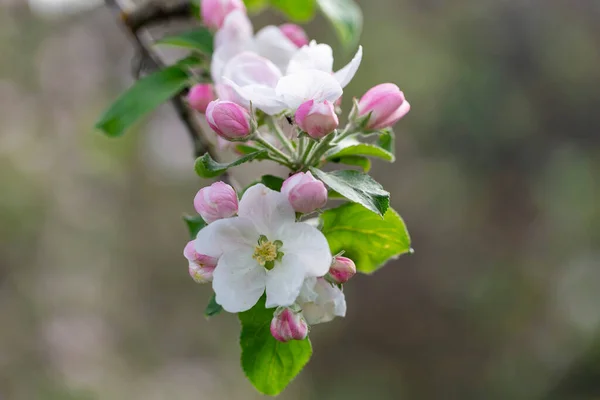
(498, 179)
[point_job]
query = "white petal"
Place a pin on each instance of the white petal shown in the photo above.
(329, 304)
(306, 85)
(262, 97)
(238, 281)
(223, 54)
(310, 245)
(229, 234)
(313, 56)
(267, 209)
(236, 28)
(307, 291)
(249, 68)
(271, 43)
(345, 75)
(284, 281)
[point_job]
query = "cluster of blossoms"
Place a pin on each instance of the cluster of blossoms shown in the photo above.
(264, 243)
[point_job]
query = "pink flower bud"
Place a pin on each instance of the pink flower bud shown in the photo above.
(201, 267)
(316, 118)
(295, 33)
(305, 193)
(342, 269)
(386, 104)
(214, 11)
(228, 120)
(288, 325)
(200, 96)
(216, 201)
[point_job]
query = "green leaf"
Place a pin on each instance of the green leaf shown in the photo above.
(355, 148)
(269, 364)
(370, 241)
(206, 167)
(200, 39)
(272, 182)
(194, 223)
(387, 141)
(346, 18)
(248, 149)
(357, 161)
(296, 10)
(141, 98)
(212, 308)
(255, 6)
(357, 187)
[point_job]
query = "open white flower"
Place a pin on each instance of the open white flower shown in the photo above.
(320, 57)
(264, 248)
(321, 301)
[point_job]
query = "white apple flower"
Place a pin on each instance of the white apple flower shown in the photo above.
(320, 57)
(263, 248)
(321, 301)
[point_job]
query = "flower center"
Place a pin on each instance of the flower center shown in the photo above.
(267, 252)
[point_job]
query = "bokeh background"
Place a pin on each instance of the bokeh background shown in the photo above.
(498, 179)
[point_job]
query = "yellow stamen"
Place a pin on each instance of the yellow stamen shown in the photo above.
(265, 252)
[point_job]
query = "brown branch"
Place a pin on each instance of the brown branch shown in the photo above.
(142, 16)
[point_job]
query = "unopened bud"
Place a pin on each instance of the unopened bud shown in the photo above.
(200, 96)
(304, 192)
(201, 267)
(214, 11)
(216, 201)
(318, 119)
(288, 325)
(229, 120)
(342, 269)
(386, 105)
(295, 33)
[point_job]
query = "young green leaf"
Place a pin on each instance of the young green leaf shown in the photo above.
(357, 187)
(200, 39)
(346, 18)
(355, 148)
(272, 182)
(370, 241)
(357, 161)
(387, 141)
(296, 10)
(141, 98)
(270, 365)
(212, 308)
(206, 167)
(194, 223)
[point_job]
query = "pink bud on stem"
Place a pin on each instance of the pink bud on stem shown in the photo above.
(214, 11)
(342, 269)
(295, 33)
(385, 103)
(318, 119)
(229, 120)
(200, 96)
(216, 201)
(304, 192)
(288, 325)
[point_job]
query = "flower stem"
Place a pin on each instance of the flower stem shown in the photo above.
(319, 150)
(276, 129)
(276, 152)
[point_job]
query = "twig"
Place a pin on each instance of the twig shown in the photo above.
(142, 16)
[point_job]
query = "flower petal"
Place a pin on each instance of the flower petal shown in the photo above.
(249, 68)
(262, 97)
(307, 291)
(236, 28)
(314, 56)
(284, 281)
(310, 245)
(271, 43)
(329, 304)
(345, 75)
(228, 234)
(270, 211)
(238, 281)
(295, 89)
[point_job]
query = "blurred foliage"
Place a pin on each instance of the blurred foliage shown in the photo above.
(497, 174)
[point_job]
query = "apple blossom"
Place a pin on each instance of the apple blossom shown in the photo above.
(200, 96)
(216, 201)
(229, 120)
(321, 301)
(264, 248)
(304, 192)
(214, 11)
(342, 269)
(201, 266)
(317, 118)
(386, 105)
(288, 324)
